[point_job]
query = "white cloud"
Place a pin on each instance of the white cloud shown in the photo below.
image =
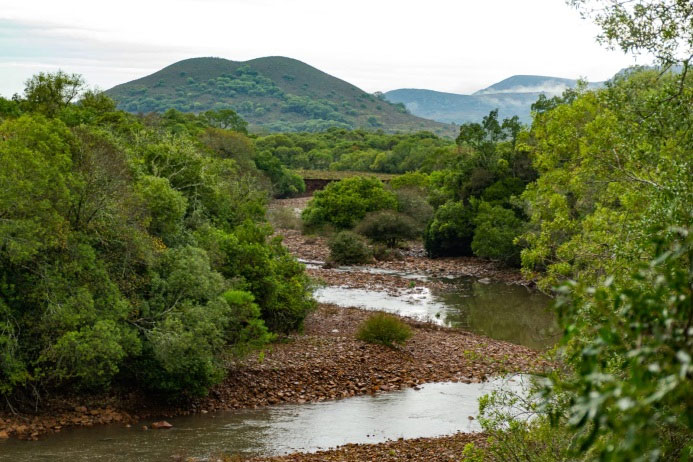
(458, 46)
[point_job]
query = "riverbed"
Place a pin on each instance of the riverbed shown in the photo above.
(472, 322)
(431, 410)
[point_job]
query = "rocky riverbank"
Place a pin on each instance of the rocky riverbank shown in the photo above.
(325, 362)
(443, 449)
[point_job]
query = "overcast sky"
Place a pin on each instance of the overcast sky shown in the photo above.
(458, 46)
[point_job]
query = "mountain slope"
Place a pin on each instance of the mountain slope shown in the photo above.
(512, 96)
(530, 84)
(272, 94)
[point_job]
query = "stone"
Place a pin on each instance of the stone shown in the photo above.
(161, 425)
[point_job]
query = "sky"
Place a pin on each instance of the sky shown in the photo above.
(455, 46)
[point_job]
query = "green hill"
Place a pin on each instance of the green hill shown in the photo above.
(272, 94)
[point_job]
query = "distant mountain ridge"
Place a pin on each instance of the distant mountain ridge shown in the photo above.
(512, 96)
(272, 93)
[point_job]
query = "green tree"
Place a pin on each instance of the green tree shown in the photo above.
(451, 231)
(49, 93)
(226, 119)
(632, 388)
(344, 203)
(495, 233)
(663, 28)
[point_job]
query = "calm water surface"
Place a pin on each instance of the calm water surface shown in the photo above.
(434, 410)
(501, 311)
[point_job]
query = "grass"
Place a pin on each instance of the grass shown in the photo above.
(384, 329)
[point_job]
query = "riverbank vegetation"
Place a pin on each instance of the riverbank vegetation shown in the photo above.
(133, 250)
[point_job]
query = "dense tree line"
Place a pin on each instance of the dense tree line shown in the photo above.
(133, 250)
(462, 197)
(359, 150)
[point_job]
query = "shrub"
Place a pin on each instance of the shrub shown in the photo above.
(411, 180)
(388, 227)
(344, 203)
(450, 233)
(412, 202)
(381, 252)
(285, 183)
(349, 249)
(496, 229)
(384, 329)
(283, 218)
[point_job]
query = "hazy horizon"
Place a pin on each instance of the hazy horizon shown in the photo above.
(448, 46)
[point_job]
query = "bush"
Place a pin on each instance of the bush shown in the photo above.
(344, 203)
(349, 249)
(381, 252)
(285, 183)
(384, 329)
(284, 218)
(450, 233)
(412, 202)
(388, 227)
(411, 180)
(496, 229)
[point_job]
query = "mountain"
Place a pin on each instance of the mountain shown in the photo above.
(530, 84)
(512, 96)
(272, 93)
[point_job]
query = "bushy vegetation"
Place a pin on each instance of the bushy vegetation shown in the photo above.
(348, 248)
(358, 150)
(444, 186)
(384, 329)
(388, 227)
(133, 251)
(344, 203)
(284, 218)
(628, 394)
(614, 192)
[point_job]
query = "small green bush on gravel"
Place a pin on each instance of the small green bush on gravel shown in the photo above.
(384, 329)
(349, 248)
(388, 227)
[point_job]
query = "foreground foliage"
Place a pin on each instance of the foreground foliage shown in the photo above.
(629, 395)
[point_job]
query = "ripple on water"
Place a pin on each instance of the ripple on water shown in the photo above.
(436, 409)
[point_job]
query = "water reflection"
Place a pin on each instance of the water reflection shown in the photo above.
(501, 311)
(436, 409)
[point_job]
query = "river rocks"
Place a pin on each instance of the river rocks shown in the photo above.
(443, 449)
(318, 365)
(161, 425)
(325, 362)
